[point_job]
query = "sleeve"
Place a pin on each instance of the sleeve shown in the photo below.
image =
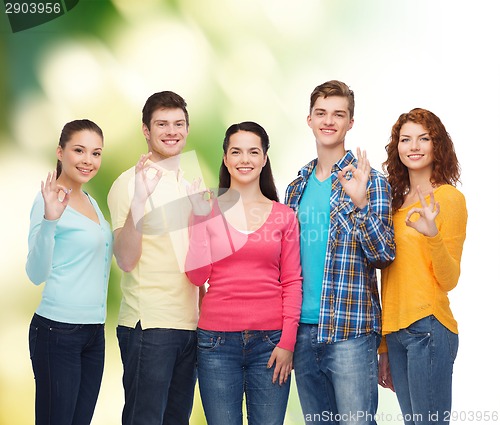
(374, 223)
(41, 243)
(446, 247)
(198, 264)
(119, 202)
(291, 282)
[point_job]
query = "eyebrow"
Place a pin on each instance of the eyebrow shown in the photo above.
(420, 135)
(335, 111)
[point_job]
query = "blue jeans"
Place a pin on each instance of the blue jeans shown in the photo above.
(421, 359)
(337, 383)
(159, 375)
(231, 364)
(68, 362)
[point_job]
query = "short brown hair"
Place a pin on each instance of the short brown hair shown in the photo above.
(333, 88)
(163, 100)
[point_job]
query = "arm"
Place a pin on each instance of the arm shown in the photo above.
(375, 225)
(199, 257)
(45, 213)
(128, 239)
(446, 240)
(384, 372)
(291, 283)
(373, 214)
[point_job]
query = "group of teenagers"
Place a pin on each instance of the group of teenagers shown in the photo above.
(234, 289)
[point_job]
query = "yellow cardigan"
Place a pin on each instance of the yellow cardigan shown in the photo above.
(416, 284)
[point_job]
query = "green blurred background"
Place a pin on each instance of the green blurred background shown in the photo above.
(236, 60)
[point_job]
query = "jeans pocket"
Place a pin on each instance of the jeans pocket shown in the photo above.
(272, 338)
(208, 340)
(32, 337)
(453, 343)
(65, 328)
(420, 328)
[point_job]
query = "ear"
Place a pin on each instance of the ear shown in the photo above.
(224, 158)
(265, 161)
(351, 123)
(59, 153)
(145, 131)
(309, 120)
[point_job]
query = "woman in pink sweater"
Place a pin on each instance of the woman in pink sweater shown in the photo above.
(430, 217)
(245, 245)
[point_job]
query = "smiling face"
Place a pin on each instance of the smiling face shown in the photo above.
(415, 148)
(167, 133)
(244, 158)
(330, 121)
(80, 158)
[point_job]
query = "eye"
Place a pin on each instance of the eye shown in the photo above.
(425, 139)
(404, 140)
(78, 150)
(97, 153)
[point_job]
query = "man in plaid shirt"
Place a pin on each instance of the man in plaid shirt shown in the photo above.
(344, 210)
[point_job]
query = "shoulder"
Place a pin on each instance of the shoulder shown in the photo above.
(448, 194)
(122, 181)
(283, 213)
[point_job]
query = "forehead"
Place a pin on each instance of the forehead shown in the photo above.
(331, 103)
(411, 128)
(168, 114)
(87, 138)
(245, 140)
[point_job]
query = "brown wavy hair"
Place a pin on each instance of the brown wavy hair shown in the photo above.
(446, 169)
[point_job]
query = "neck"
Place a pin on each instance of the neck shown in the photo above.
(171, 163)
(247, 193)
(327, 158)
(69, 184)
(421, 179)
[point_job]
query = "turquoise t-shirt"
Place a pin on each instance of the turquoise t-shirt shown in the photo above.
(314, 219)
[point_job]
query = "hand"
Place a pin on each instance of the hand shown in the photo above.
(426, 223)
(284, 364)
(144, 185)
(355, 187)
(54, 206)
(384, 372)
(201, 200)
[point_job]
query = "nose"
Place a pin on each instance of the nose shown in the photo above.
(415, 145)
(244, 157)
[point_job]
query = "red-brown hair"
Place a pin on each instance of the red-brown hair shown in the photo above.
(446, 169)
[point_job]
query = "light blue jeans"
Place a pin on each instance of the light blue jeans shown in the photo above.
(231, 364)
(421, 359)
(337, 383)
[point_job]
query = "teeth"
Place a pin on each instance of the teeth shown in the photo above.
(328, 131)
(170, 142)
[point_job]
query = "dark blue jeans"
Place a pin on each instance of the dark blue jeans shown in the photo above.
(68, 362)
(159, 375)
(231, 364)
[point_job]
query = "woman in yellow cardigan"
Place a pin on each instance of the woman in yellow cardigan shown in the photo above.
(420, 333)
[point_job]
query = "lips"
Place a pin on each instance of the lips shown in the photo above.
(328, 131)
(415, 156)
(244, 169)
(84, 170)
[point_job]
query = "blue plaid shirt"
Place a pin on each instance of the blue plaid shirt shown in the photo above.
(361, 240)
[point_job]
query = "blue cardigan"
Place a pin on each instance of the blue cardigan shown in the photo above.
(72, 256)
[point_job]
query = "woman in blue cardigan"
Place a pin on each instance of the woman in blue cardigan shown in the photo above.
(70, 249)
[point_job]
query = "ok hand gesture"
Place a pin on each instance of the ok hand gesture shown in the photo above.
(144, 185)
(355, 187)
(426, 222)
(201, 200)
(54, 206)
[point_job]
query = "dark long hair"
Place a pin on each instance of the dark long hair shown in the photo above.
(266, 179)
(70, 129)
(445, 167)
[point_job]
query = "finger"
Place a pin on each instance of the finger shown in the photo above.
(432, 202)
(421, 197)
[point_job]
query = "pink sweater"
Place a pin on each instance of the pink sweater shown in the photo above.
(254, 279)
